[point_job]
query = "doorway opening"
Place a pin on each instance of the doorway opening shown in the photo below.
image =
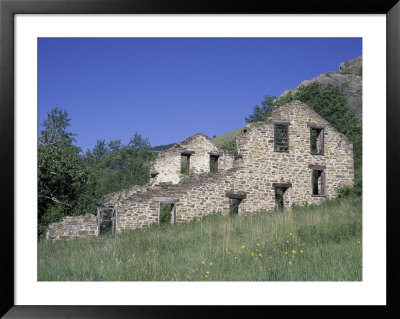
(234, 202)
(107, 220)
(279, 195)
(234, 206)
(281, 200)
(318, 182)
(166, 210)
(166, 213)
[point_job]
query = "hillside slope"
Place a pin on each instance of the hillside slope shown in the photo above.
(309, 243)
(349, 76)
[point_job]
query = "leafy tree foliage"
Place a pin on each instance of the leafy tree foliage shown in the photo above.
(65, 185)
(120, 166)
(99, 149)
(260, 113)
(72, 184)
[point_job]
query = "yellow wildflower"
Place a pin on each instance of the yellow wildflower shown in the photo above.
(211, 263)
(301, 250)
(290, 234)
(293, 251)
(358, 242)
(260, 255)
(286, 252)
(207, 272)
(290, 262)
(252, 253)
(288, 241)
(270, 257)
(243, 246)
(229, 252)
(235, 257)
(205, 276)
(258, 244)
(203, 262)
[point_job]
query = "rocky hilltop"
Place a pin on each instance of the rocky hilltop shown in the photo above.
(349, 76)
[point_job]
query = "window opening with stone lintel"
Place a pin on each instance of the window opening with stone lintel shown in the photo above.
(214, 158)
(316, 138)
(185, 161)
(281, 136)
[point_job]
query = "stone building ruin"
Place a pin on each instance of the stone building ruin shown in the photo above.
(294, 157)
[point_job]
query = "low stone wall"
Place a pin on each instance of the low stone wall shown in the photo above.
(73, 227)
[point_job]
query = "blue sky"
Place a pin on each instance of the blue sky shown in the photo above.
(169, 89)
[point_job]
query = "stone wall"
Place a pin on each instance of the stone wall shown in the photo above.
(167, 166)
(253, 176)
(73, 227)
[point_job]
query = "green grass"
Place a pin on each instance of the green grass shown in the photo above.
(323, 243)
(226, 138)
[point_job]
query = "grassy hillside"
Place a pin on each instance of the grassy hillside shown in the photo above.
(311, 243)
(227, 141)
(226, 138)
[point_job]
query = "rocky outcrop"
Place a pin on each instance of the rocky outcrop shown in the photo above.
(349, 77)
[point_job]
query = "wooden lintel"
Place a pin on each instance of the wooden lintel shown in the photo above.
(317, 167)
(186, 152)
(238, 196)
(280, 122)
(215, 153)
(317, 126)
(283, 185)
(169, 200)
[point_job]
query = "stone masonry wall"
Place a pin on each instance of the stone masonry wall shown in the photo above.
(257, 149)
(253, 175)
(74, 226)
(167, 165)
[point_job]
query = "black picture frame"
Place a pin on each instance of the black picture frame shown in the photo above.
(8, 8)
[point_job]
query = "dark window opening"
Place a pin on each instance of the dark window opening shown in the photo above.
(318, 182)
(107, 224)
(279, 196)
(234, 206)
(281, 137)
(214, 163)
(185, 163)
(317, 141)
(166, 211)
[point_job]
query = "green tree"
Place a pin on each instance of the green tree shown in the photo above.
(138, 142)
(260, 113)
(55, 128)
(100, 149)
(114, 145)
(65, 185)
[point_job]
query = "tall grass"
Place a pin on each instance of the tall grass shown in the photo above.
(312, 243)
